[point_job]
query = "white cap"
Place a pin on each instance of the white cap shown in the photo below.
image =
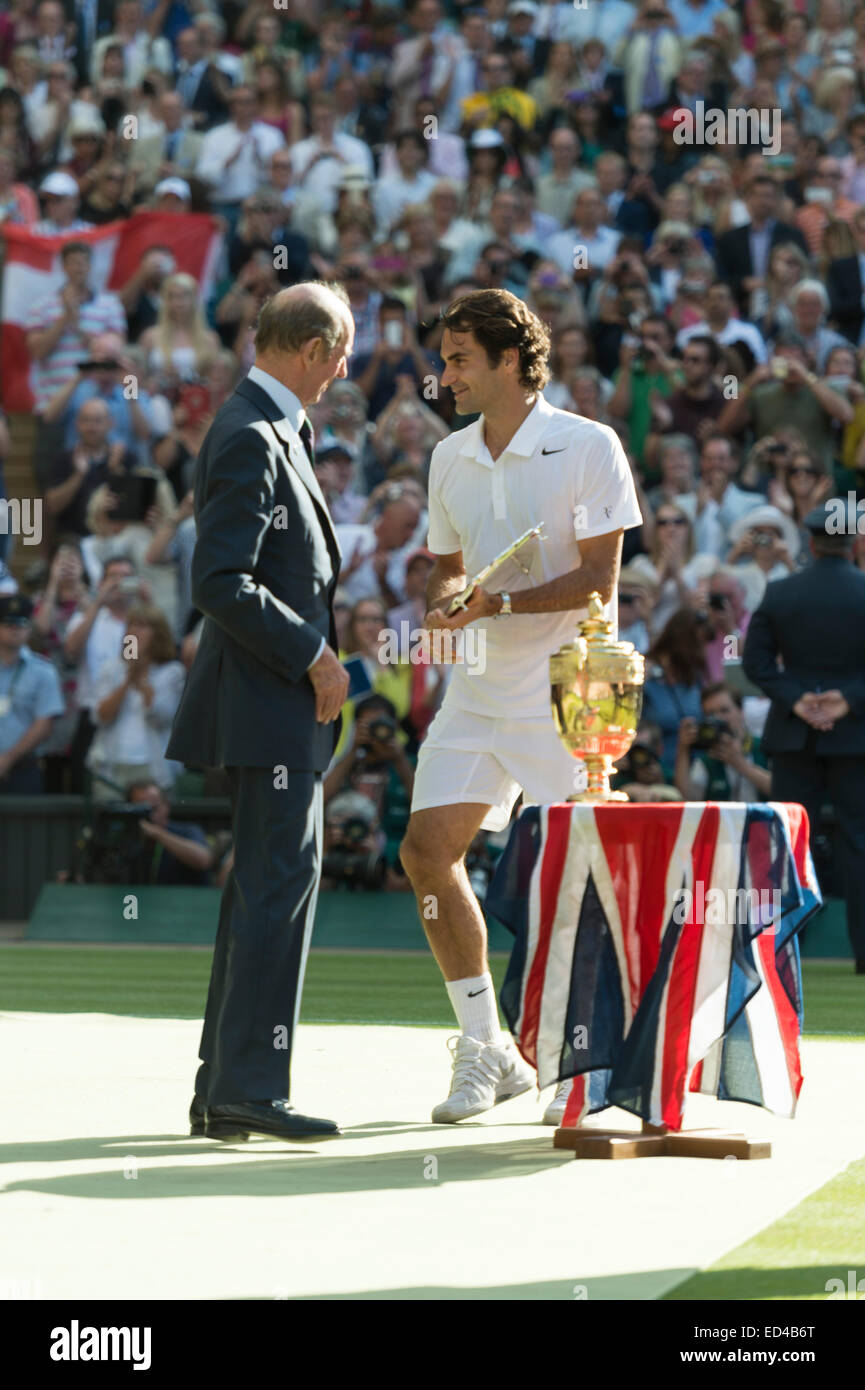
(179, 187)
(523, 7)
(88, 123)
(486, 140)
(60, 184)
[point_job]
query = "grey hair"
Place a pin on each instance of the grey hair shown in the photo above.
(809, 287)
(284, 325)
(680, 441)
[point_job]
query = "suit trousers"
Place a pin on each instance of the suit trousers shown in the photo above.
(262, 942)
(811, 780)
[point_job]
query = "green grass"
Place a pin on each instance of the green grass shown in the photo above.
(818, 1240)
(153, 982)
(349, 987)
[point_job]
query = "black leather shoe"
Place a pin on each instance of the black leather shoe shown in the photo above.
(276, 1119)
(198, 1119)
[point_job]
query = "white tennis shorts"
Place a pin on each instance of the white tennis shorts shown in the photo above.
(468, 757)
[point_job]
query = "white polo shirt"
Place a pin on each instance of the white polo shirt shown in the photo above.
(560, 469)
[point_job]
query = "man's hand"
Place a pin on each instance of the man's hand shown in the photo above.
(330, 682)
(481, 605)
(688, 731)
(728, 749)
(821, 711)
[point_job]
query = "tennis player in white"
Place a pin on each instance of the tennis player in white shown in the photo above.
(523, 462)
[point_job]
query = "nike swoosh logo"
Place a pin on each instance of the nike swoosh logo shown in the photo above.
(552, 451)
(473, 993)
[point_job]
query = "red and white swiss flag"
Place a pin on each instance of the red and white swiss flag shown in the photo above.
(33, 270)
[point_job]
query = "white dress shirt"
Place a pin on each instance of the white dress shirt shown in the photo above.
(249, 172)
(295, 414)
(321, 177)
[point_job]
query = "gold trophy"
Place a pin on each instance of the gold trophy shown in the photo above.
(596, 697)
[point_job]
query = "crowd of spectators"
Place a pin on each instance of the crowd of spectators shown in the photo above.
(706, 300)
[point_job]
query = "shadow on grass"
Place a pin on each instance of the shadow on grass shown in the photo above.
(291, 1172)
(749, 1283)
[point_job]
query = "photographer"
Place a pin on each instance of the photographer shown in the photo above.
(785, 391)
(647, 371)
(764, 545)
(729, 763)
(135, 700)
(172, 853)
(377, 768)
(80, 472)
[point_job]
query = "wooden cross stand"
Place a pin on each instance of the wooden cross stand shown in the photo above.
(657, 1141)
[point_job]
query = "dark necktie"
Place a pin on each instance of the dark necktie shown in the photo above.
(171, 143)
(307, 434)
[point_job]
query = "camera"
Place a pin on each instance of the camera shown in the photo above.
(709, 730)
(381, 729)
(762, 540)
(717, 602)
(352, 867)
(109, 850)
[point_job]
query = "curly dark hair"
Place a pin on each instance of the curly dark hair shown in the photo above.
(499, 321)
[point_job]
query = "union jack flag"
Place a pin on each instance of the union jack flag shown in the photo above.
(656, 951)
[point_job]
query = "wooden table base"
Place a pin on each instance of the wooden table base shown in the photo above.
(659, 1143)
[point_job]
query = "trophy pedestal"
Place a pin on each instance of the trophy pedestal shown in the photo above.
(659, 1142)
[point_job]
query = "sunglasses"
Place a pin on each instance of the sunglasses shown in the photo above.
(795, 472)
(672, 521)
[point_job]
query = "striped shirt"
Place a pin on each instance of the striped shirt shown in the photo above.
(46, 227)
(104, 313)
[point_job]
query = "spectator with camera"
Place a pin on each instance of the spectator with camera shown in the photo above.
(764, 545)
(30, 700)
(105, 376)
(173, 853)
(94, 636)
(785, 391)
(92, 463)
(377, 768)
(135, 699)
(65, 594)
(717, 759)
(647, 373)
(397, 353)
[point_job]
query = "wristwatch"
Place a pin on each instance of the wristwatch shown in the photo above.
(505, 611)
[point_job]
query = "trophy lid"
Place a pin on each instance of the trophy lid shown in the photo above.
(597, 631)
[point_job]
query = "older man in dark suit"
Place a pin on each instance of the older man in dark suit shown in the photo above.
(815, 733)
(262, 701)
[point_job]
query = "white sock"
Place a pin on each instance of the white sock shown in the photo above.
(474, 1003)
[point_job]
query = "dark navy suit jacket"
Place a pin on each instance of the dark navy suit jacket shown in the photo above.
(264, 572)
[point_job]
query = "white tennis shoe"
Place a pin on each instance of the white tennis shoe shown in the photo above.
(555, 1111)
(484, 1074)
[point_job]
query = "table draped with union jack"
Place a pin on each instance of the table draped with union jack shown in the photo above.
(655, 951)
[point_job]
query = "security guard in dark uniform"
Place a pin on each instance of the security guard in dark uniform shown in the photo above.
(814, 621)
